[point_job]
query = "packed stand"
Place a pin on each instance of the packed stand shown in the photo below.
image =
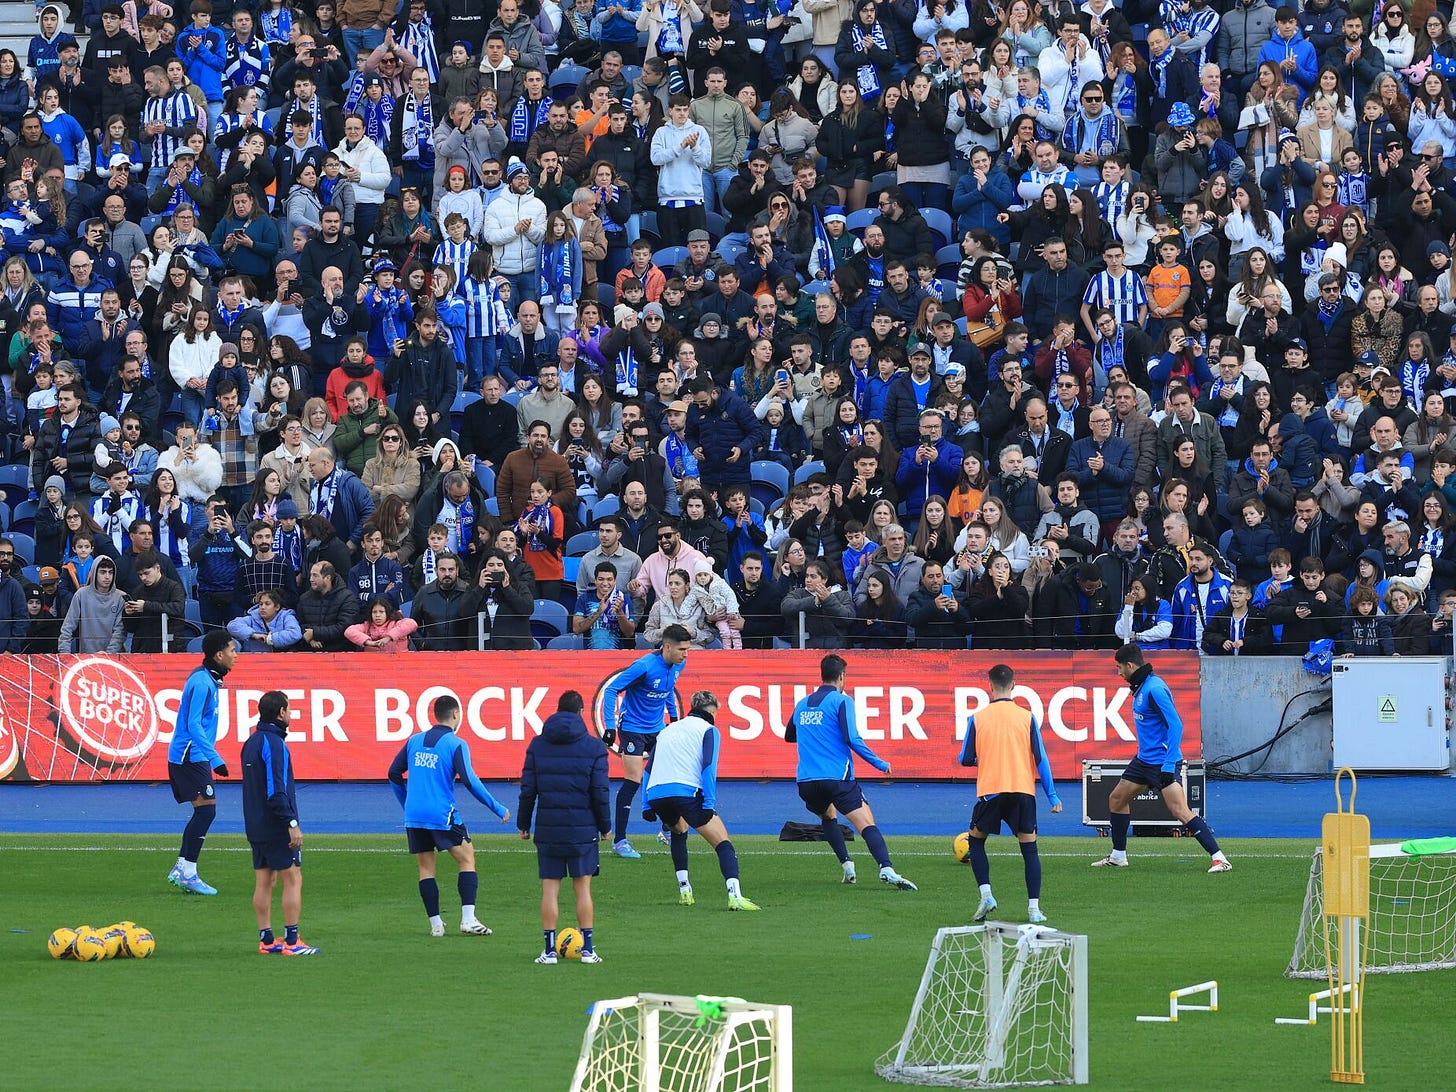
(454, 326)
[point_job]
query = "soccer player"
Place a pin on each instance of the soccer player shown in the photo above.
(648, 693)
(1158, 765)
(1004, 741)
(192, 758)
(822, 725)
(423, 775)
(565, 776)
(682, 791)
(270, 816)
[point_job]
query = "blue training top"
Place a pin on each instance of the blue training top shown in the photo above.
(823, 727)
(433, 760)
(1155, 719)
(648, 692)
(195, 737)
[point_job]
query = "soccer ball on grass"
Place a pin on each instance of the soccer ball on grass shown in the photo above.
(569, 943)
(62, 944)
(89, 947)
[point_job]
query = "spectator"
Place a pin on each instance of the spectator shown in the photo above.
(930, 468)
(95, 619)
(821, 610)
(534, 462)
(326, 610)
(1104, 467)
(489, 429)
(603, 614)
(939, 620)
(269, 626)
(672, 554)
(337, 495)
(393, 471)
(385, 630)
(502, 603)
(359, 428)
(1306, 611)
(375, 576)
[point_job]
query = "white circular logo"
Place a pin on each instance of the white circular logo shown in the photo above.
(108, 709)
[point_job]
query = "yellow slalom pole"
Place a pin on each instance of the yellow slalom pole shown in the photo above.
(1346, 838)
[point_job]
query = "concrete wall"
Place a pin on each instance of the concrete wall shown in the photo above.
(1242, 700)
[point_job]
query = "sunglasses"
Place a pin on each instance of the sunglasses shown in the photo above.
(667, 538)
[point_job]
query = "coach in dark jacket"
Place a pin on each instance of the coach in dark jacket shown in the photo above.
(564, 784)
(722, 429)
(270, 802)
(327, 609)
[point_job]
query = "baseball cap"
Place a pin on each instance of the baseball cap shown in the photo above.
(941, 316)
(677, 406)
(1298, 343)
(955, 368)
(119, 159)
(1368, 359)
(920, 350)
(47, 574)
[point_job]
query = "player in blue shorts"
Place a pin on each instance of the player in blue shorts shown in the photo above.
(423, 775)
(270, 816)
(564, 785)
(1158, 765)
(192, 758)
(648, 694)
(1004, 741)
(823, 727)
(682, 791)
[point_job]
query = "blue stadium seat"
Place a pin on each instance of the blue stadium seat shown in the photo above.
(770, 481)
(606, 506)
(717, 225)
(549, 619)
(883, 181)
(729, 252)
(406, 607)
(579, 545)
(193, 611)
(669, 256)
(15, 482)
(566, 641)
(571, 74)
(813, 466)
(951, 252)
(1224, 540)
(24, 547)
(858, 221)
(941, 225)
(630, 72)
(493, 506)
(26, 510)
(570, 566)
(486, 477)
(815, 288)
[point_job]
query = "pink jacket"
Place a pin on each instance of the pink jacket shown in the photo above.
(398, 633)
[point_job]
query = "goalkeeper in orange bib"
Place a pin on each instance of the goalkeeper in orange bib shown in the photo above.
(1004, 741)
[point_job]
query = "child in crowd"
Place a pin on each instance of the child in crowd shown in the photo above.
(719, 603)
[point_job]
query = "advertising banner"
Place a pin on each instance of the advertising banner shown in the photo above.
(100, 718)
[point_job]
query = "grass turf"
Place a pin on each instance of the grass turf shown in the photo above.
(387, 1006)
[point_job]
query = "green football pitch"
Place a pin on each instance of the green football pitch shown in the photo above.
(386, 1006)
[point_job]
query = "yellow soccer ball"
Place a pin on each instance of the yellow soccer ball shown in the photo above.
(961, 847)
(62, 944)
(90, 946)
(140, 944)
(569, 943)
(115, 938)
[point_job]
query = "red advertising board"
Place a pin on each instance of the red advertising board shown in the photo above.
(97, 718)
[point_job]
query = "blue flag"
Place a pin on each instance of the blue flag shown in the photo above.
(821, 258)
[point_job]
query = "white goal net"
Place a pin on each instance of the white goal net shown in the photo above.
(999, 1006)
(661, 1043)
(1412, 924)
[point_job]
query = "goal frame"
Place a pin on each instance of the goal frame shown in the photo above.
(779, 1019)
(1310, 937)
(1000, 986)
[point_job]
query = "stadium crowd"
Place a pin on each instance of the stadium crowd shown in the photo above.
(450, 325)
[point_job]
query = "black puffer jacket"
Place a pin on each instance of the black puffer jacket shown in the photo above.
(564, 783)
(328, 615)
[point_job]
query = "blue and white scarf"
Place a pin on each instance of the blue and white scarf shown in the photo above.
(670, 38)
(228, 319)
(556, 272)
(277, 25)
(867, 76)
(247, 65)
(427, 567)
(419, 39)
(1066, 418)
(1124, 98)
(539, 514)
(626, 372)
(354, 93)
(418, 131)
(377, 118)
(1355, 190)
(461, 523)
(607, 194)
(1229, 418)
(289, 544)
(677, 455)
(1110, 353)
(523, 123)
(391, 301)
(322, 493)
(1159, 66)
(1038, 106)
(181, 197)
(1096, 135)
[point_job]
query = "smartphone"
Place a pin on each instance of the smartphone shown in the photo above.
(1004, 271)
(947, 591)
(1038, 551)
(782, 375)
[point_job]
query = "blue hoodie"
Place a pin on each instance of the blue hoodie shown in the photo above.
(1306, 64)
(1299, 455)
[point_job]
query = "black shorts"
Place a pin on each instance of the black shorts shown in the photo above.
(550, 867)
(672, 808)
(1154, 777)
(636, 744)
(423, 839)
(1016, 809)
(843, 795)
(190, 780)
(277, 856)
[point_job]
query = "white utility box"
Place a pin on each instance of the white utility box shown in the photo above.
(1390, 713)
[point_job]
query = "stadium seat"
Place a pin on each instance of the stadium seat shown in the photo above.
(568, 74)
(606, 296)
(193, 611)
(579, 545)
(194, 647)
(513, 397)
(940, 225)
(15, 482)
(26, 510)
(570, 566)
(566, 641)
(961, 325)
(24, 547)
(756, 507)
(770, 482)
(457, 411)
(1224, 540)
(717, 225)
(669, 256)
(4, 516)
(883, 181)
(549, 619)
(630, 72)
(951, 252)
(486, 477)
(729, 252)
(813, 466)
(493, 506)
(858, 221)
(406, 607)
(815, 288)
(606, 506)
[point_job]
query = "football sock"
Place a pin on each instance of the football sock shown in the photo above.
(586, 940)
(875, 842)
(468, 885)
(195, 832)
(430, 895)
(727, 860)
(835, 837)
(1120, 822)
(734, 891)
(682, 877)
(265, 936)
(290, 934)
(980, 865)
(1033, 904)
(1200, 829)
(625, 795)
(189, 870)
(679, 847)
(550, 940)
(1032, 860)
(181, 862)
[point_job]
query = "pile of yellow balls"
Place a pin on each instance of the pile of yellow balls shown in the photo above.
(88, 945)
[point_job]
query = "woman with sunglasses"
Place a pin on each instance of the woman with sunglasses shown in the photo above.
(1393, 39)
(394, 471)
